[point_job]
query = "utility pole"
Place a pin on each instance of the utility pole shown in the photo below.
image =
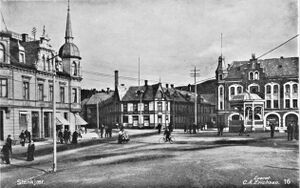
(195, 73)
(54, 122)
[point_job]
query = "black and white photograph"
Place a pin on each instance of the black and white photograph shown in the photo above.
(149, 93)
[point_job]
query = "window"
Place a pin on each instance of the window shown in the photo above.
(256, 76)
(135, 107)
(125, 119)
(251, 76)
(239, 89)
(295, 103)
(62, 94)
(51, 92)
(275, 89)
(22, 57)
(66, 115)
(232, 91)
(287, 88)
(26, 90)
(2, 52)
(287, 103)
(125, 109)
(74, 95)
(268, 89)
(146, 107)
(44, 62)
(48, 64)
(221, 105)
(167, 106)
(3, 87)
(221, 91)
(40, 92)
(159, 106)
(276, 104)
(74, 69)
(254, 89)
(258, 113)
(295, 88)
(268, 103)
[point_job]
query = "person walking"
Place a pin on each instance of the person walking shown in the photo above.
(272, 128)
(65, 135)
(185, 128)
(75, 137)
(61, 136)
(101, 130)
(106, 131)
(242, 129)
(110, 130)
(171, 128)
(22, 138)
(27, 135)
(159, 128)
(5, 151)
(296, 131)
(220, 129)
(30, 151)
(9, 143)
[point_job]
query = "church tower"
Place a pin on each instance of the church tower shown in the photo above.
(69, 52)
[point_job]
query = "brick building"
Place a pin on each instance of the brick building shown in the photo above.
(27, 69)
(257, 92)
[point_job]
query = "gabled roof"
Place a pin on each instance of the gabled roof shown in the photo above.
(275, 67)
(148, 93)
(100, 97)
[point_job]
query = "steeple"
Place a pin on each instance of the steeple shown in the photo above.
(68, 34)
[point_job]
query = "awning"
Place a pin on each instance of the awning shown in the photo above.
(61, 120)
(79, 120)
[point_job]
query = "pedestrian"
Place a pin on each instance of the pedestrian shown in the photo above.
(6, 155)
(30, 151)
(9, 143)
(185, 128)
(242, 129)
(106, 131)
(159, 128)
(27, 135)
(61, 136)
(75, 137)
(194, 128)
(220, 129)
(65, 135)
(272, 128)
(22, 138)
(190, 128)
(101, 130)
(110, 130)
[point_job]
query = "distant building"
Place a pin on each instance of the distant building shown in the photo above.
(103, 107)
(26, 84)
(257, 92)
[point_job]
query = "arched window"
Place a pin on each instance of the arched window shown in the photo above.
(232, 91)
(239, 90)
(268, 89)
(74, 69)
(251, 76)
(2, 51)
(275, 89)
(295, 88)
(287, 88)
(256, 76)
(221, 91)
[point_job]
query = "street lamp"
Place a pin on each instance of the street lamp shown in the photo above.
(54, 115)
(140, 94)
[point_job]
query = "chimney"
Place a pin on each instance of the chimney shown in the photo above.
(167, 86)
(116, 79)
(146, 82)
(24, 37)
(172, 85)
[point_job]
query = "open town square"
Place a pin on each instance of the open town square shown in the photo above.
(149, 93)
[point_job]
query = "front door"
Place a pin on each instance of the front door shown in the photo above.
(35, 124)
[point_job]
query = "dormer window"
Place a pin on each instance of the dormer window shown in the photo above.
(251, 76)
(256, 75)
(22, 57)
(2, 51)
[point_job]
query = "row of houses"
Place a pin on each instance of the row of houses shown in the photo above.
(256, 93)
(32, 75)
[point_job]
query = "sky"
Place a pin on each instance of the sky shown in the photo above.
(170, 37)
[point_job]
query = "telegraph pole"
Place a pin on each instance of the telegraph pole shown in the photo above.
(195, 73)
(54, 123)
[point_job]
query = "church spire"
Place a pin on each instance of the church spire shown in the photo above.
(68, 34)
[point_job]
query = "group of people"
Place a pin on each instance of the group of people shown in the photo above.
(123, 136)
(65, 137)
(292, 131)
(25, 136)
(106, 130)
(194, 128)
